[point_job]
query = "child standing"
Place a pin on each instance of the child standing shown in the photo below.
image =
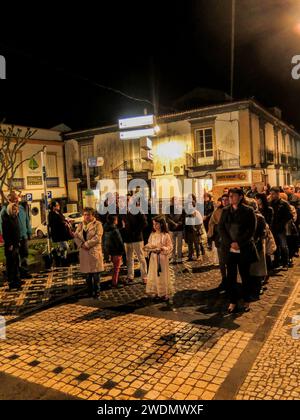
(159, 247)
(114, 246)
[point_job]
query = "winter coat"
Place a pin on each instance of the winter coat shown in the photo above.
(11, 231)
(282, 214)
(113, 242)
(91, 259)
(213, 230)
(59, 228)
(239, 226)
(268, 214)
(134, 226)
(259, 268)
(23, 219)
(174, 219)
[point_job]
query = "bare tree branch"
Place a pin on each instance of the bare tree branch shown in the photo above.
(11, 143)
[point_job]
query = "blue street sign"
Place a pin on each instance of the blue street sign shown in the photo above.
(49, 195)
(92, 162)
(29, 197)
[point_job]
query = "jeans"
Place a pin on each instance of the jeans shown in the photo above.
(177, 238)
(234, 264)
(93, 284)
(282, 252)
(117, 261)
(131, 249)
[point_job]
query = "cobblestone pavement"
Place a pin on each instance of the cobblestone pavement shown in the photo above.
(276, 371)
(44, 288)
(127, 346)
(40, 290)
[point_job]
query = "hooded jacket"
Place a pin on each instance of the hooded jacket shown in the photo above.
(113, 242)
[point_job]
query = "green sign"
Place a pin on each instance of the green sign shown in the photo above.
(33, 164)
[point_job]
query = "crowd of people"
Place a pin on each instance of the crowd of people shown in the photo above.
(253, 233)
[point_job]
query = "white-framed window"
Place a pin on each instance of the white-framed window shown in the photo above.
(204, 143)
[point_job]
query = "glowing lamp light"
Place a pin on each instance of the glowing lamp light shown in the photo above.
(297, 28)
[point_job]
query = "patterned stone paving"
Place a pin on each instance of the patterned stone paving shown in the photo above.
(43, 288)
(95, 354)
(276, 371)
(127, 346)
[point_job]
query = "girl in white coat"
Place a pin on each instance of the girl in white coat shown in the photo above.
(159, 283)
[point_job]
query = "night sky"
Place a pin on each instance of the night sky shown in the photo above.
(58, 57)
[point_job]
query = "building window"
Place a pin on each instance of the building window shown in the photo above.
(86, 151)
(51, 165)
(204, 142)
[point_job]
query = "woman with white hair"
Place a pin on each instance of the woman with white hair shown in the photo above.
(11, 237)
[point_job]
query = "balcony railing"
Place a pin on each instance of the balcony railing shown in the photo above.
(283, 159)
(79, 171)
(267, 157)
(134, 165)
(293, 162)
(213, 159)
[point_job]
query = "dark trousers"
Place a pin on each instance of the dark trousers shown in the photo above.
(12, 266)
(235, 264)
(93, 284)
(282, 252)
(292, 242)
(23, 256)
(192, 240)
(222, 265)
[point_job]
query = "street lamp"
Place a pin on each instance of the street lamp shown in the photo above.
(232, 47)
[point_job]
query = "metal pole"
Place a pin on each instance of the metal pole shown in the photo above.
(43, 160)
(88, 178)
(232, 48)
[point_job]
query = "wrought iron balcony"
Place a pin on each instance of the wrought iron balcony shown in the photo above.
(267, 157)
(212, 160)
(283, 159)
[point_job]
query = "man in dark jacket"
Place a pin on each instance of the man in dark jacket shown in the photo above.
(252, 192)
(282, 215)
(12, 236)
(134, 224)
(237, 228)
